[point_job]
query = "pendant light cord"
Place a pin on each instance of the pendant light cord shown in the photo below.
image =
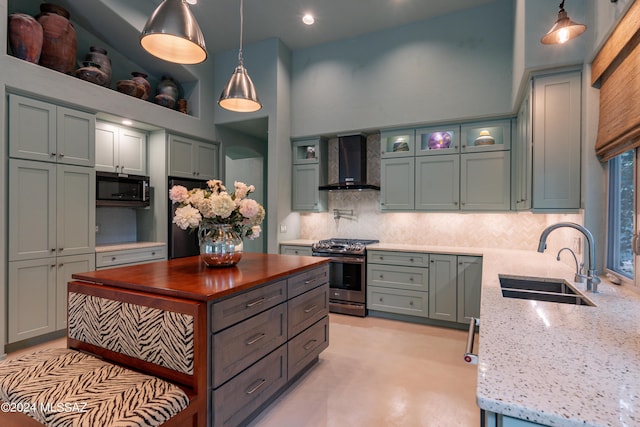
(241, 30)
(561, 5)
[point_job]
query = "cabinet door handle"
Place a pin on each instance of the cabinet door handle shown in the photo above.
(381, 276)
(411, 259)
(310, 344)
(53, 154)
(53, 249)
(306, 282)
(117, 166)
(61, 264)
(113, 258)
(462, 203)
(432, 261)
(53, 266)
(60, 249)
(455, 203)
(255, 386)
(411, 303)
(336, 294)
(254, 339)
(61, 154)
(255, 302)
(380, 299)
(310, 308)
(153, 253)
(411, 279)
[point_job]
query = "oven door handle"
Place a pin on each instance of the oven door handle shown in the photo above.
(347, 260)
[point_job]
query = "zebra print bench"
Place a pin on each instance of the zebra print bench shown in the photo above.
(132, 360)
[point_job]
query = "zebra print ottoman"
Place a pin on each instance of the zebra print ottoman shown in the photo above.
(62, 387)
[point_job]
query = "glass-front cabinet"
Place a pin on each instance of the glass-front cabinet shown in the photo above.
(493, 135)
(397, 143)
(306, 151)
(437, 140)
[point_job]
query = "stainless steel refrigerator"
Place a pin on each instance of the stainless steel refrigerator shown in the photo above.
(182, 243)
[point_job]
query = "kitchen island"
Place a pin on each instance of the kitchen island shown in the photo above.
(267, 322)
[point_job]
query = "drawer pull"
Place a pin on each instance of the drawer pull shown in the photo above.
(411, 278)
(255, 302)
(411, 259)
(381, 276)
(256, 386)
(255, 339)
(306, 282)
(113, 258)
(309, 309)
(310, 344)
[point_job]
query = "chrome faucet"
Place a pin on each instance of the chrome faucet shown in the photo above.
(579, 277)
(592, 273)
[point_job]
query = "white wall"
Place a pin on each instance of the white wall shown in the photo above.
(446, 68)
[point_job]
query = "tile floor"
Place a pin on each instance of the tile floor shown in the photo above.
(377, 373)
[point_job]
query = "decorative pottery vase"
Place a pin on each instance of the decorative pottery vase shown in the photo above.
(485, 138)
(439, 140)
(98, 55)
(131, 88)
(59, 43)
(92, 72)
(25, 37)
(141, 80)
(167, 92)
(220, 245)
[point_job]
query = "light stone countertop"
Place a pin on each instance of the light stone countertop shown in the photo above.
(558, 364)
(129, 245)
(298, 242)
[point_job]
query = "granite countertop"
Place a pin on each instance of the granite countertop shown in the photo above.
(129, 245)
(557, 364)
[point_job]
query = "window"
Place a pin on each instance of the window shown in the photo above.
(621, 213)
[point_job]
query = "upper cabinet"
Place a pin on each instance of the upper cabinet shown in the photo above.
(493, 135)
(309, 171)
(120, 149)
(46, 132)
(397, 143)
(437, 140)
(548, 150)
(190, 158)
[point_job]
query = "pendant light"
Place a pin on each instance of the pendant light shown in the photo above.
(172, 34)
(564, 29)
(239, 94)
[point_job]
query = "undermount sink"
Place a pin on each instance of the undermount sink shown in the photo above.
(541, 289)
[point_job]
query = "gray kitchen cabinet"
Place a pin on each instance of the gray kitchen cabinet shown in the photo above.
(120, 149)
(51, 210)
(556, 130)
(469, 283)
(305, 196)
(397, 143)
(295, 250)
(437, 186)
(46, 132)
(37, 294)
(120, 258)
(397, 184)
(485, 181)
(522, 155)
(437, 140)
(398, 282)
(455, 283)
(492, 135)
(492, 419)
(190, 158)
(443, 288)
(547, 150)
(309, 171)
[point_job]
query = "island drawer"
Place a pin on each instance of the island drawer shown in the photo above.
(306, 309)
(235, 309)
(391, 276)
(301, 283)
(130, 256)
(416, 259)
(241, 396)
(304, 348)
(398, 301)
(240, 346)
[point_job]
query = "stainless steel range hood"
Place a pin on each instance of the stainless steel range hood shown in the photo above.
(352, 165)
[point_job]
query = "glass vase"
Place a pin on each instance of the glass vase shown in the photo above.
(220, 245)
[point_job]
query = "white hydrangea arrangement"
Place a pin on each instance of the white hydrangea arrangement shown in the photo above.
(216, 206)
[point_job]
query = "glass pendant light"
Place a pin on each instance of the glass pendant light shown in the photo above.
(239, 94)
(564, 29)
(172, 34)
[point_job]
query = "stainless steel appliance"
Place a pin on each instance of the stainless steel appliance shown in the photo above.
(347, 274)
(116, 189)
(182, 243)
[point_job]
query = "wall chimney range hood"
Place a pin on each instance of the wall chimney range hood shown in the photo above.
(352, 165)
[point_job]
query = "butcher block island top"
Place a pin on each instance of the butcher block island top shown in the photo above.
(190, 278)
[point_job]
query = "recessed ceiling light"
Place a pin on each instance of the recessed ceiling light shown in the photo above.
(308, 19)
(192, 1)
(127, 122)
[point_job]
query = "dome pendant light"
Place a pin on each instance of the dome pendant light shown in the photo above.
(239, 94)
(563, 30)
(172, 34)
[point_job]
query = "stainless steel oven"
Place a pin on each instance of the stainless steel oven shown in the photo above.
(347, 274)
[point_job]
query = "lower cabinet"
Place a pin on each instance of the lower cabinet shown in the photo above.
(491, 419)
(436, 286)
(37, 294)
(262, 339)
(121, 258)
(295, 250)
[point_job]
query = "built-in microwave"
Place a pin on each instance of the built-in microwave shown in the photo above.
(117, 189)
